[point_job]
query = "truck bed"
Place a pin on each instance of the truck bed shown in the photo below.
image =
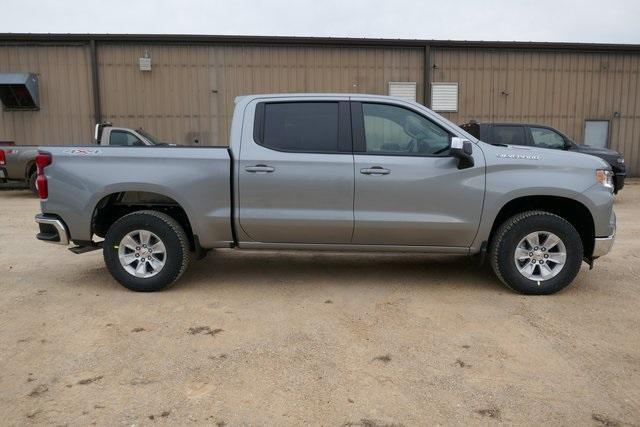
(197, 178)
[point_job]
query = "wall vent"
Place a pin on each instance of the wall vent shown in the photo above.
(404, 90)
(444, 97)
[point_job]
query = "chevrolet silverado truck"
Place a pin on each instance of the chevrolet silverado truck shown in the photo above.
(331, 172)
(18, 162)
(541, 136)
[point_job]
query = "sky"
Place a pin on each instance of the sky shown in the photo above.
(586, 21)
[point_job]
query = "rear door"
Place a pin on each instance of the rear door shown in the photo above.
(408, 189)
(295, 172)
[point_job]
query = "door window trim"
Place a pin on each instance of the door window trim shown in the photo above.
(345, 143)
(358, 131)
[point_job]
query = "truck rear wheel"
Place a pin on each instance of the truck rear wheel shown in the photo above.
(536, 253)
(146, 251)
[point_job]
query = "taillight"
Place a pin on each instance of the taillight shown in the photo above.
(2, 158)
(42, 161)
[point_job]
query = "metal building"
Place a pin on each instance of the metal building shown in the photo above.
(181, 88)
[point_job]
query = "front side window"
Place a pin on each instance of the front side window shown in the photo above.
(546, 138)
(124, 138)
(509, 135)
(398, 131)
(301, 126)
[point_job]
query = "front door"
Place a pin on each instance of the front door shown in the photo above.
(408, 190)
(296, 172)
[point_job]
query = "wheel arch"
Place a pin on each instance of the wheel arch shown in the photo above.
(114, 205)
(572, 210)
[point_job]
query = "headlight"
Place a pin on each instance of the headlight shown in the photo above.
(620, 160)
(605, 177)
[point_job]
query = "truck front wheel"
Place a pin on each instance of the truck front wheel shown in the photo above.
(146, 251)
(536, 253)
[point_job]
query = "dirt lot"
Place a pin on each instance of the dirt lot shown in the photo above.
(314, 338)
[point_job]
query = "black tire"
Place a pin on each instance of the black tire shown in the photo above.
(513, 230)
(168, 230)
(32, 182)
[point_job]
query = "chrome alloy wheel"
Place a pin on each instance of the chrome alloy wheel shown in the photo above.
(142, 254)
(540, 256)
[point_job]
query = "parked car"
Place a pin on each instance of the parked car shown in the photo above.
(331, 172)
(18, 162)
(545, 137)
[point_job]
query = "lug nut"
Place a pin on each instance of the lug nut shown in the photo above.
(137, 248)
(546, 255)
(535, 249)
(544, 249)
(137, 255)
(530, 253)
(142, 259)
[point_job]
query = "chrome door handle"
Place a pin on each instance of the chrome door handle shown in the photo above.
(260, 169)
(375, 170)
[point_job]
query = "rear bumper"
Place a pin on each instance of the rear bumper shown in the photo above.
(52, 229)
(3, 175)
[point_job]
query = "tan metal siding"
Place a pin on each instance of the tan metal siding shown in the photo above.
(65, 115)
(190, 90)
(560, 89)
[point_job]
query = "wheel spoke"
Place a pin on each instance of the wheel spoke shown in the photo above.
(533, 240)
(129, 243)
(158, 248)
(545, 271)
(145, 236)
(551, 241)
(155, 263)
(557, 257)
(527, 269)
(522, 254)
(141, 269)
(128, 258)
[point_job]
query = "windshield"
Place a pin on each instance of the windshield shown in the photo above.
(148, 136)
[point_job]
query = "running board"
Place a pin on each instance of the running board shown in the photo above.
(87, 248)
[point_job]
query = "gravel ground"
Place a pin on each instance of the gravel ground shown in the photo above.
(314, 338)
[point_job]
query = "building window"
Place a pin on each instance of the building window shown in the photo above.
(403, 90)
(444, 97)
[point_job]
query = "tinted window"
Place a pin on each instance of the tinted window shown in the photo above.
(546, 138)
(119, 137)
(301, 126)
(394, 130)
(513, 135)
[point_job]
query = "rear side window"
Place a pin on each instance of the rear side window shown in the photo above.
(512, 135)
(310, 127)
(119, 137)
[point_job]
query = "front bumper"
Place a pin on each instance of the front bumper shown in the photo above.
(52, 229)
(603, 245)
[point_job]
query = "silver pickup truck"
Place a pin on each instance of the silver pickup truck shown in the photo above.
(331, 172)
(18, 162)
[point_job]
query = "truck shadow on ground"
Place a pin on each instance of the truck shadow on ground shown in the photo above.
(315, 269)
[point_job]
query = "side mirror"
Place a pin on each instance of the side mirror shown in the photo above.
(462, 150)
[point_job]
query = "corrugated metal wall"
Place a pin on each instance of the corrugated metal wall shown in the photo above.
(189, 92)
(66, 113)
(560, 89)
